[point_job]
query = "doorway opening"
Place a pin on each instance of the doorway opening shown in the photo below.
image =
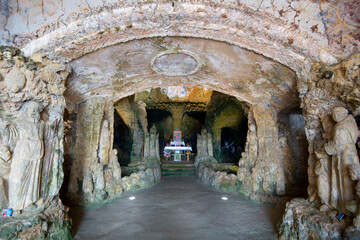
(122, 140)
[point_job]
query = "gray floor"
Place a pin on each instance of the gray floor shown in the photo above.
(177, 208)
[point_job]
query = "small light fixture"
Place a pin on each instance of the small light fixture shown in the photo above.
(132, 198)
(224, 198)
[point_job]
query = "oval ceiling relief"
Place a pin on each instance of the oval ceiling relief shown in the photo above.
(175, 63)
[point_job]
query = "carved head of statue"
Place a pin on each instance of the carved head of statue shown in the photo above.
(339, 114)
(153, 129)
(31, 110)
(203, 130)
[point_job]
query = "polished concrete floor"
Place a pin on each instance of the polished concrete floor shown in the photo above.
(177, 208)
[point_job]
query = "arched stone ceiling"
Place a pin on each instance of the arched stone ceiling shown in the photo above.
(121, 70)
(294, 33)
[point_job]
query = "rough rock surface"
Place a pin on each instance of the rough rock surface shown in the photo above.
(141, 179)
(297, 50)
(40, 83)
(48, 222)
(302, 220)
(218, 179)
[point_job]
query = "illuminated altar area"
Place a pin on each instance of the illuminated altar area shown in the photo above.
(178, 147)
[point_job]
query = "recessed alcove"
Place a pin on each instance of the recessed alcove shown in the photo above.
(185, 109)
(122, 140)
(293, 143)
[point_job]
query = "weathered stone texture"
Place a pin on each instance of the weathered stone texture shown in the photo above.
(94, 173)
(267, 54)
(329, 186)
(218, 179)
(101, 24)
(134, 116)
(128, 70)
(302, 220)
(141, 179)
(34, 89)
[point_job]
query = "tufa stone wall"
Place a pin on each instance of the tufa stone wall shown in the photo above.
(31, 155)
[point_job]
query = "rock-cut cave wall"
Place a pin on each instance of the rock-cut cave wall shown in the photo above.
(268, 54)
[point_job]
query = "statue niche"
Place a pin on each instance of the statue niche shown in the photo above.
(343, 151)
(24, 138)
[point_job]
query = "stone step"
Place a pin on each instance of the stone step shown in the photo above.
(178, 162)
(183, 168)
(177, 166)
(179, 173)
(178, 169)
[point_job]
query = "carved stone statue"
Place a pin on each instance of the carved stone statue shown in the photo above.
(204, 143)
(343, 151)
(5, 156)
(104, 143)
(151, 144)
(25, 173)
(154, 136)
(322, 170)
(354, 171)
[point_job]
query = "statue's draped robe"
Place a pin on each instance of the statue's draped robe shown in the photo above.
(25, 173)
(344, 152)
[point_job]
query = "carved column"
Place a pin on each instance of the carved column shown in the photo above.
(177, 113)
(268, 163)
(86, 166)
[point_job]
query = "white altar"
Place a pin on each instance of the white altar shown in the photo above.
(178, 147)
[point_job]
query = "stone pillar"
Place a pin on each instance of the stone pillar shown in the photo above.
(204, 141)
(153, 138)
(147, 145)
(198, 145)
(177, 113)
(210, 145)
(268, 164)
(157, 147)
(104, 144)
(86, 166)
(216, 135)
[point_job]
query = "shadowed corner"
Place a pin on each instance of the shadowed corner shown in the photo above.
(274, 215)
(77, 215)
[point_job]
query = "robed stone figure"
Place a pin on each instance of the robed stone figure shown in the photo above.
(26, 133)
(343, 151)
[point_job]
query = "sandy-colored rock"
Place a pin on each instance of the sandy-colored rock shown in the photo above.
(342, 148)
(271, 55)
(304, 221)
(31, 151)
(15, 80)
(28, 153)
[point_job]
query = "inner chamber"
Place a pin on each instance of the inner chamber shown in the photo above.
(184, 109)
(235, 115)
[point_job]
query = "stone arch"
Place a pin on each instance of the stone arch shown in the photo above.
(306, 47)
(266, 86)
(243, 24)
(128, 70)
(240, 25)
